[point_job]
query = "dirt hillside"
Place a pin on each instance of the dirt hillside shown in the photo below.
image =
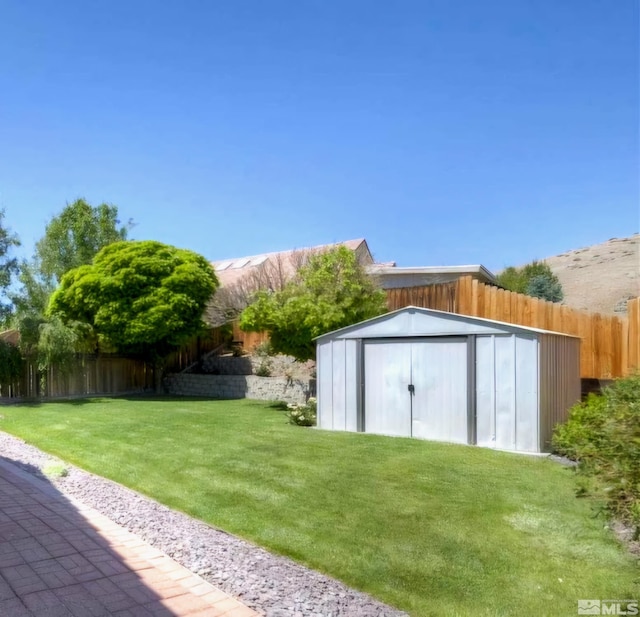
(600, 278)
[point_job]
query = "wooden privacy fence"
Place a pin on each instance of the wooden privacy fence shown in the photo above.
(192, 352)
(90, 375)
(112, 374)
(248, 340)
(610, 344)
(633, 334)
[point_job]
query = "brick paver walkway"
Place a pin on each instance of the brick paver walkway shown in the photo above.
(59, 558)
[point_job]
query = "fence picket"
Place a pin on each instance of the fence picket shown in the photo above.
(610, 344)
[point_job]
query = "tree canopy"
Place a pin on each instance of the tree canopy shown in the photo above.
(142, 297)
(535, 279)
(331, 291)
(75, 236)
(71, 239)
(10, 362)
(8, 267)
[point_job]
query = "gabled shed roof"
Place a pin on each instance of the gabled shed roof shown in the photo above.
(416, 321)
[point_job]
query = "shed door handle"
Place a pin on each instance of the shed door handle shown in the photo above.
(411, 388)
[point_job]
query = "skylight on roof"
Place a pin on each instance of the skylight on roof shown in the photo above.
(223, 266)
(259, 260)
(241, 263)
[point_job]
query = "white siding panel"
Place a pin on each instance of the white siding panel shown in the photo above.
(439, 376)
(352, 383)
(505, 392)
(339, 386)
(485, 392)
(526, 394)
(325, 389)
(387, 401)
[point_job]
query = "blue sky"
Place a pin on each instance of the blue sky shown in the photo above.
(443, 132)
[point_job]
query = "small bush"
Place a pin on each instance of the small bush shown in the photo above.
(603, 435)
(237, 350)
(580, 438)
(264, 350)
(264, 368)
(303, 415)
(55, 470)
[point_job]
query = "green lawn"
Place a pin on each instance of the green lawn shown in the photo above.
(434, 529)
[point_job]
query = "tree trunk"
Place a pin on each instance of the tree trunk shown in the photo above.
(158, 375)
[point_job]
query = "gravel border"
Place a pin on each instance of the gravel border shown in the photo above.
(270, 584)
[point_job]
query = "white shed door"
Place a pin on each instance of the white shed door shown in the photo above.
(437, 370)
(386, 394)
(439, 377)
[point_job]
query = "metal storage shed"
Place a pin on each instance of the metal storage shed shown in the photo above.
(434, 375)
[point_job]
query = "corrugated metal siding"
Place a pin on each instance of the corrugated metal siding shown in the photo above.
(439, 375)
(339, 386)
(526, 373)
(485, 392)
(324, 368)
(507, 392)
(352, 380)
(559, 383)
(387, 401)
(337, 366)
(505, 385)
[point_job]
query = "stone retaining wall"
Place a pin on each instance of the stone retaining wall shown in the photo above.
(276, 366)
(238, 386)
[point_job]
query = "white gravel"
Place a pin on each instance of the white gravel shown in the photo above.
(270, 584)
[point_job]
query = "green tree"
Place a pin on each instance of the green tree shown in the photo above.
(75, 236)
(142, 297)
(8, 268)
(10, 362)
(58, 343)
(330, 292)
(30, 304)
(71, 239)
(546, 287)
(535, 279)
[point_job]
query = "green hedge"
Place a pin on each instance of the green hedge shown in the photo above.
(603, 435)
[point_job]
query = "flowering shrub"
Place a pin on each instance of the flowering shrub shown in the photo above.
(303, 415)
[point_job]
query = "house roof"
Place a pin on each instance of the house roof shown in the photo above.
(432, 273)
(282, 265)
(230, 271)
(417, 329)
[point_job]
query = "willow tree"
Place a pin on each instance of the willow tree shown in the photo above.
(71, 239)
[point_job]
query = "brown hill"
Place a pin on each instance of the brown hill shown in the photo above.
(600, 278)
